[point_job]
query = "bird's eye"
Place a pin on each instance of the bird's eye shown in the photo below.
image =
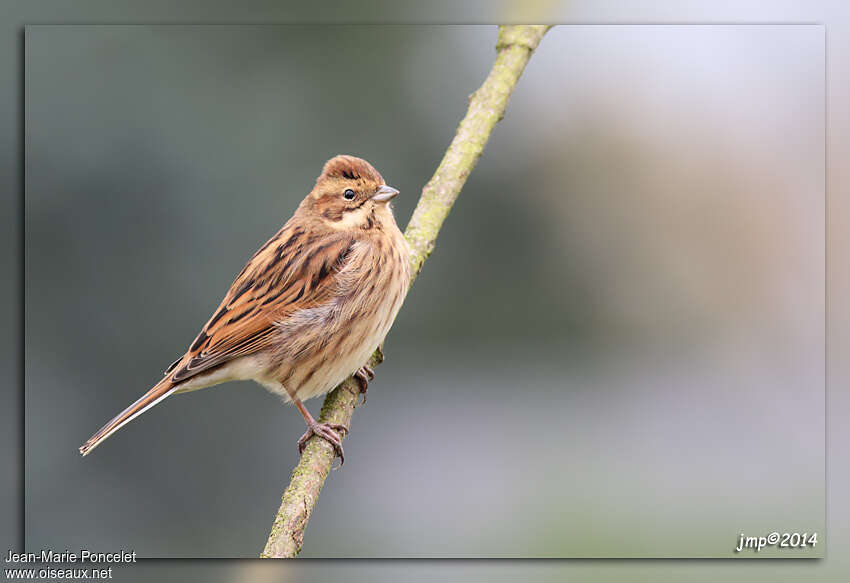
(348, 194)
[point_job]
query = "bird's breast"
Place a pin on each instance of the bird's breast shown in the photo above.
(348, 329)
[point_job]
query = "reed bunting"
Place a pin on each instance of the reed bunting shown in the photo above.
(308, 309)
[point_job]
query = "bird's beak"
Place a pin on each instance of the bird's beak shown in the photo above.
(384, 194)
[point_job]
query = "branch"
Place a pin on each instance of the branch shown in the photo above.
(515, 46)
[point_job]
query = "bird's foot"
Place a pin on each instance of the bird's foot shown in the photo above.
(363, 376)
(330, 432)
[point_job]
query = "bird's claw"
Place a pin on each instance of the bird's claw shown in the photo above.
(363, 376)
(330, 432)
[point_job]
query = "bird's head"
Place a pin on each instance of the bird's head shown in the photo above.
(350, 194)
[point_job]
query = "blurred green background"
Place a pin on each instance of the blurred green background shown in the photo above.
(617, 349)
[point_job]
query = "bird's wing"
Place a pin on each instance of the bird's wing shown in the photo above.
(294, 271)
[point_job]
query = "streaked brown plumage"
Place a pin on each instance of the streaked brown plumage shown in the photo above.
(309, 308)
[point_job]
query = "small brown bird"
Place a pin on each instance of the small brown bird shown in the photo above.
(308, 309)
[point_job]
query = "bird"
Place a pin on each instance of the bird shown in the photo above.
(309, 307)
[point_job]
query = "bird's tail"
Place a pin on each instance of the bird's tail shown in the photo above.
(160, 391)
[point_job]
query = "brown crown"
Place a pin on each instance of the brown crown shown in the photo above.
(350, 167)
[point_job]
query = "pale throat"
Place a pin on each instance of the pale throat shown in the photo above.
(359, 218)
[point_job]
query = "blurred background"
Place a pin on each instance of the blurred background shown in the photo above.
(616, 350)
